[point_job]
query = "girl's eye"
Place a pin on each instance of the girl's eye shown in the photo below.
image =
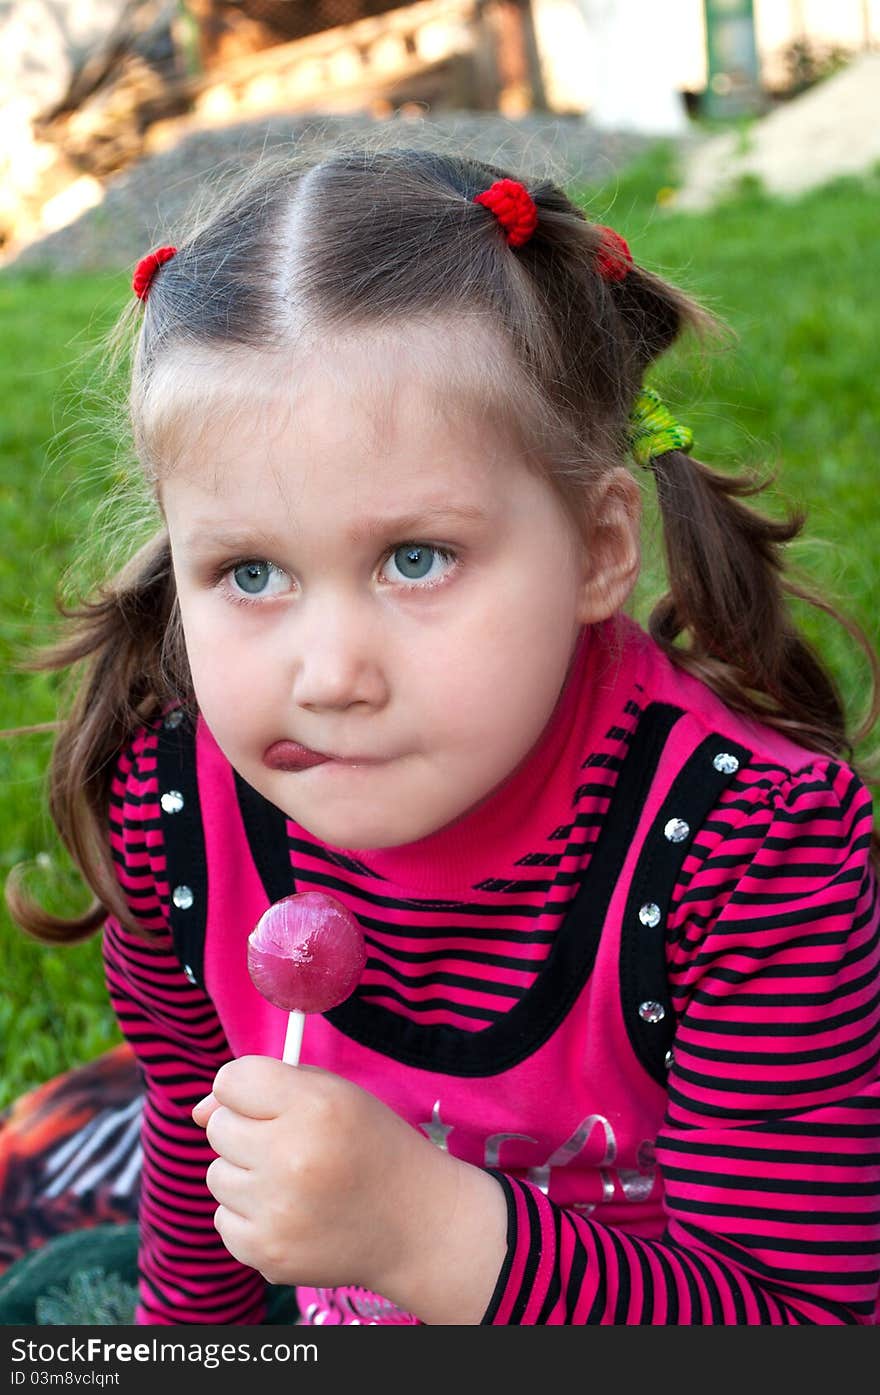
(256, 578)
(420, 564)
(414, 562)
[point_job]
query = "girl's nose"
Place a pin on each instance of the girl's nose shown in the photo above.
(336, 657)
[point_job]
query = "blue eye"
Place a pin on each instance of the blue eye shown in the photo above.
(414, 562)
(253, 578)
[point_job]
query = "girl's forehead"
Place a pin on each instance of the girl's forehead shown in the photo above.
(384, 388)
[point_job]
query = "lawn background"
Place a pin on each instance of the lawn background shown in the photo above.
(798, 389)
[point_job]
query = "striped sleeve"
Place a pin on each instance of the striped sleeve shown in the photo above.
(770, 1148)
(186, 1275)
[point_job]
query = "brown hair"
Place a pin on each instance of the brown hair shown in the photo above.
(371, 238)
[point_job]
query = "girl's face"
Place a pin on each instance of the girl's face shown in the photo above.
(365, 572)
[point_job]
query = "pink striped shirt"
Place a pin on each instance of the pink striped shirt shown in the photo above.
(638, 983)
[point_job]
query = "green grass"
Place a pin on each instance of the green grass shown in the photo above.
(54, 1012)
(792, 280)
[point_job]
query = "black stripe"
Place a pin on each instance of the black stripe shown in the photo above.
(697, 1313)
(266, 828)
(306, 877)
(600, 1297)
(812, 1086)
(776, 1279)
(672, 1307)
(554, 1288)
(817, 840)
(135, 948)
(796, 1188)
(792, 1058)
(809, 815)
(813, 1129)
(743, 948)
(517, 935)
(710, 1284)
(646, 1312)
(624, 1290)
(481, 1013)
(785, 998)
(440, 976)
(504, 1276)
(795, 1156)
(789, 1029)
(830, 870)
(577, 1268)
(196, 1145)
(815, 968)
(532, 1261)
(467, 956)
(740, 1210)
(775, 898)
(184, 844)
(843, 1077)
(643, 978)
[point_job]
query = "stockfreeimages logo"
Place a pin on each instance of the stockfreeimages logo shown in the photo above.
(93, 1350)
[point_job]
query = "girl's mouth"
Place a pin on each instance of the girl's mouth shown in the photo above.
(290, 755)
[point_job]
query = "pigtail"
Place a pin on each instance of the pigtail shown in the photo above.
(726, 617)
(728, 596)
(127, 643)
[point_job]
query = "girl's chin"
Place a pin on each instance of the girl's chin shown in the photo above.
(335, 826)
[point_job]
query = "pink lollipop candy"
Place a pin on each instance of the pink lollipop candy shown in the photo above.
(306, 953)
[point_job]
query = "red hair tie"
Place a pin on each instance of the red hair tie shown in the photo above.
(514, 208)
(613, 257)
(146, 269)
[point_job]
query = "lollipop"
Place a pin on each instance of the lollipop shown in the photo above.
(305, 954)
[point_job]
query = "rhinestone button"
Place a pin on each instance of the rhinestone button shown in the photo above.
(725, 763)
(182, 897)
(172, 801)
(668, 1059)
(187, 969)
(649, 1011)
(676, 830)
(173, 719)
(649, 914)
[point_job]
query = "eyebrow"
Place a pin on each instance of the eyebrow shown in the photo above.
(411, 522)
(397, 525)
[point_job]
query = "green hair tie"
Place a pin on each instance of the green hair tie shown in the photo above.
(654, 430)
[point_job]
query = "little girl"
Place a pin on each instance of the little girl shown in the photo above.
(614, 1055)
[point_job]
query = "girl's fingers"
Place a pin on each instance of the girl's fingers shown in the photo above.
(202, 1111)
(233, 1137)
(233, 1231)
(257, 1086)
(228, 1185)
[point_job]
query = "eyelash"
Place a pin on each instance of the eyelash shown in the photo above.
(221, 573)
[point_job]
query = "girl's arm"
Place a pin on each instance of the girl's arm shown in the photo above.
(770, 1152)
(186, 1274)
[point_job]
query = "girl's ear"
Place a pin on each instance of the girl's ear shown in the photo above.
(612, 552)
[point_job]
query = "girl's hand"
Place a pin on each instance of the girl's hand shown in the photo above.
(319, 1183)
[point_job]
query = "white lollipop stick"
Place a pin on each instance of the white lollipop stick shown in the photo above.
(293, 1038)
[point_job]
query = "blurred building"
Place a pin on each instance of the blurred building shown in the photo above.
(88, 86)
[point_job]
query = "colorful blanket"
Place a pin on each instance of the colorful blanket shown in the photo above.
(70, 1168)
(69, 1181)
